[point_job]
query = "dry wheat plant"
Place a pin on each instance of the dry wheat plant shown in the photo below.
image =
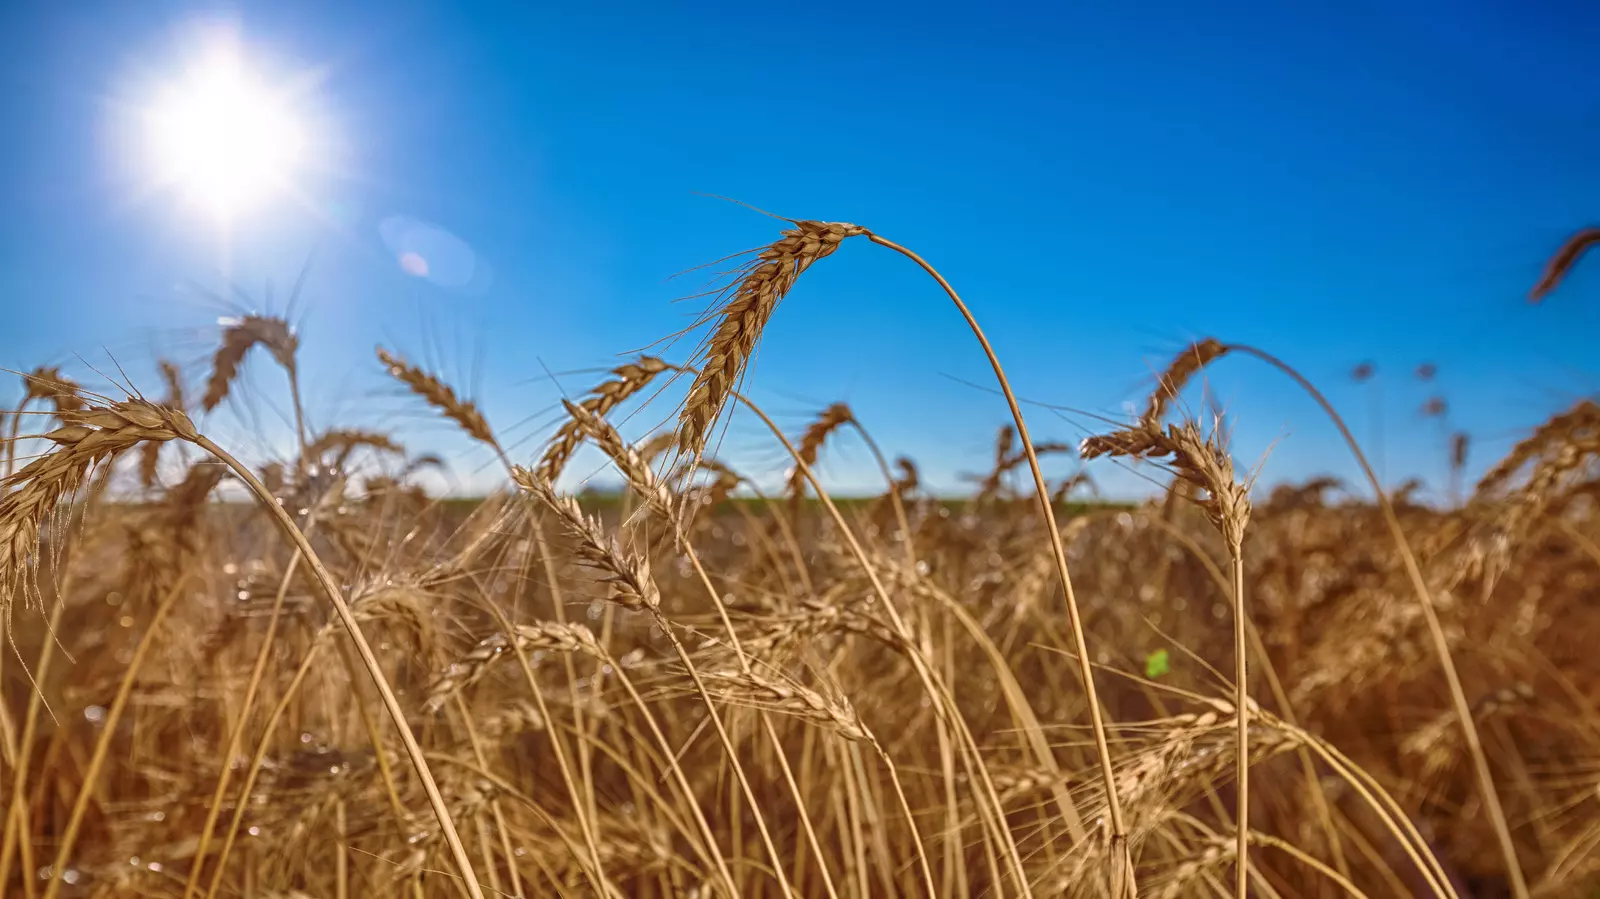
(309, 678)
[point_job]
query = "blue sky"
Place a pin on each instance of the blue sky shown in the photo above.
(1336, 182)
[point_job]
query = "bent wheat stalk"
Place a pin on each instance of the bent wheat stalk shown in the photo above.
(1441, 644)
(1119, 833)
(745, 307)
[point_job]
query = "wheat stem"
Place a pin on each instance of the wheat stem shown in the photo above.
(1242, 705)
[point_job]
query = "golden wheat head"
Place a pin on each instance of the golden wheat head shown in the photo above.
(237, 341)
(626, 575)
(439, 395)
(831, 419)
(87, 437)
(1183, 367)
(743, 310)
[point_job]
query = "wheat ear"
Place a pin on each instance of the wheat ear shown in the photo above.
(237, 341)
(1563, 261)
(441, 396)
(744, 308)
(832, 418)
(1183, 367)
(750, 303)
(633, 585)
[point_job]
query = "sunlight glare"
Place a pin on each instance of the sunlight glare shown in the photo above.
(222, 137)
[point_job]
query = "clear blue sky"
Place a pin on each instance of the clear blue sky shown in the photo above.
(1335, 181)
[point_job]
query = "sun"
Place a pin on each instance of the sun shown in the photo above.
(223, 136)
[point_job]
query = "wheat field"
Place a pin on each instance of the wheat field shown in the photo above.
(311, 678)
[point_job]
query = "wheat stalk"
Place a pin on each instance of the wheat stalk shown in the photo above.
(1441, 644)
(1203, 462)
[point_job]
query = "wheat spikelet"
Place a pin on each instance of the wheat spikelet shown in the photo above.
(742, 312)
(607, 395)
(1406, 493)
(186, 499)
(1460, 444)
(812, 618)
(1558, 468)
(989, 485)
(722, 486)
(1433, 745)
(546, 636)
(1005, 441)
(1215, 852)
(237, 341)
(831, 419)
(1563, 261)
(1177, 760)
(627, 575)
(440, 396)
(149, 464)
(1183, 367)
(172, 377)
(150, 453)
(910, 478)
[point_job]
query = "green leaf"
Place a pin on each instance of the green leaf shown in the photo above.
(1156, 664)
